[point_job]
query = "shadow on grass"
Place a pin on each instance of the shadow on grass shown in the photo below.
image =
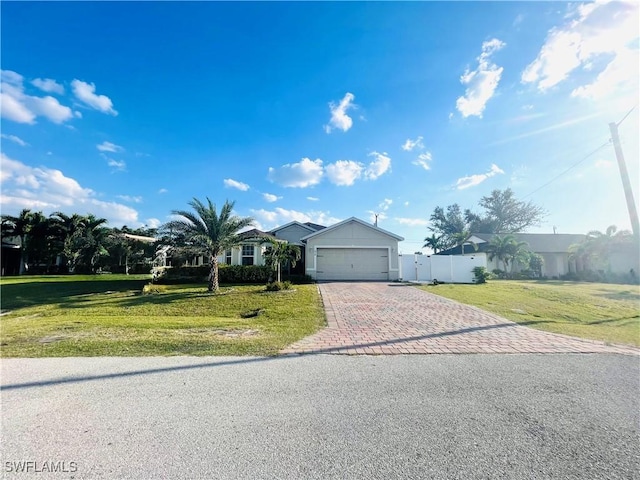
(31, 294)
(626, 295)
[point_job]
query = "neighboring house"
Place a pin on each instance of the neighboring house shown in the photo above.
(352, 250)
(349, 250)
(10, 256)
(552, 247)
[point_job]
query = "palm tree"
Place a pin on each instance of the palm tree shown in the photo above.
(207, 229)
(19, 226)
(433, 242)
(67, 229)
(595, 250)
(279, 253)
(505, 249)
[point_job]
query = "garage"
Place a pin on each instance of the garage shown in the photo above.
(352, 250)
(352, 264)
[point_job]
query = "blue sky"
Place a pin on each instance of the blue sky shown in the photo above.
(318, 112)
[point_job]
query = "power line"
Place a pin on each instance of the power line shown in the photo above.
(628, 113)
(571, 167)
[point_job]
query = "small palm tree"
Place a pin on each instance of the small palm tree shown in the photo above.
(210, 231)
(433, 242)
(506, 249)
(279, 253)
(462, 239)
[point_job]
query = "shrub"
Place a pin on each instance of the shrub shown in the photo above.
(277, 286)
(229, 274)
(480, 275)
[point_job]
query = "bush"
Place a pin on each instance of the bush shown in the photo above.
(228, 274)
(277, 286)
(480, 275)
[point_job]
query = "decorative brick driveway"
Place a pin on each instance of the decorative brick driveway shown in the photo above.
(383, 318)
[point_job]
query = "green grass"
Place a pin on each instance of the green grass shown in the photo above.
(109, 315)
(597, 311)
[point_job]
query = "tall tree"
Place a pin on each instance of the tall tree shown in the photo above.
(501, 213)
(281, 253)
(19, 226)
(210, 231)
(506, 214)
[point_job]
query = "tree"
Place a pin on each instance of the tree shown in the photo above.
(434, 242)
(502, 213)
(281, 253)
(506, 249)
(210, 231)
(505, 214)
(19, 226)
(447, 224)
(595, 250)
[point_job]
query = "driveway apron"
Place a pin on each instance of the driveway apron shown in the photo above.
(382, 318)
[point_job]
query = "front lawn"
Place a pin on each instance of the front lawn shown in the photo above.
(597, 311)
(109, 315)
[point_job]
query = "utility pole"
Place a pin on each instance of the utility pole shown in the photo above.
(626, 183)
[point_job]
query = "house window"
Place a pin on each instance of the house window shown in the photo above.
(227, 257)
(247, 254)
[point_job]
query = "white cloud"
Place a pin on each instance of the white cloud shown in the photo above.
(50, 190)
(409, 145)
(48, 85)
(116, 165)
(313, 199)
(153, 223)
(477, 179)
(598, 30)
(339, 118)
(14, 139)
(482, 82)
(162, 190)
(22, 108)
(281, 216)
(231, 183)
(385, 204)
(85, 92)
(109, 147)
(269, 197)
(412, 222)
(379, 166)
(130, 199)
(344, 172)
(305, 173)
(424, 160)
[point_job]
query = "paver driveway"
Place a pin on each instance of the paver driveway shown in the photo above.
(384, 318)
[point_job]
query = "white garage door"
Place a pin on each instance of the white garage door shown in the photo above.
(352, 264)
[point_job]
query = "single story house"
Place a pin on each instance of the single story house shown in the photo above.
(552, 247)
(349, 250)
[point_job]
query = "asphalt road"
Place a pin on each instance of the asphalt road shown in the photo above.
(436, 416)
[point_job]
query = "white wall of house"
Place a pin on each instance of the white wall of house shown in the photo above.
(352, 250)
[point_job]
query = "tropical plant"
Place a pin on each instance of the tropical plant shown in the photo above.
(593, 253)
(462, 239)
(281, 253)
(506, 249)
(19, 226)
(212, 232)
(434, 242)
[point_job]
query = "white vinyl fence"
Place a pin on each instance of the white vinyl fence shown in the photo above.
(444, 268)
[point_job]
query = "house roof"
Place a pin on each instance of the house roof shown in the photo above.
(311, 227)
(537, 242)
(352, 219)
(255, 234)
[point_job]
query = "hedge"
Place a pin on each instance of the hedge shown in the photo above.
(229, 274)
